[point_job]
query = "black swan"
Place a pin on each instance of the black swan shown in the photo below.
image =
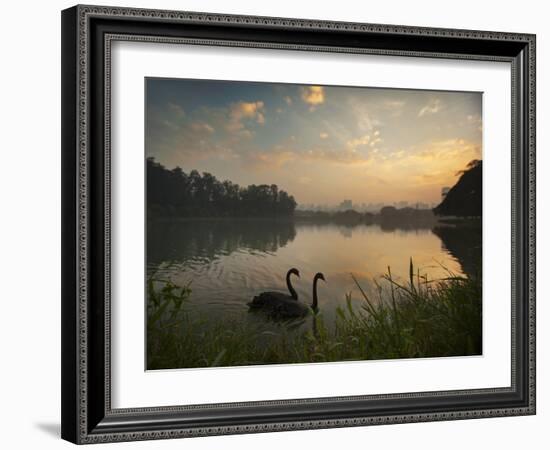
(270, 300)
(293, 308)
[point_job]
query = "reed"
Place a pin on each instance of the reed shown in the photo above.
(412, 319)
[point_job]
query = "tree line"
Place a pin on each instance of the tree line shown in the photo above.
(178, 194)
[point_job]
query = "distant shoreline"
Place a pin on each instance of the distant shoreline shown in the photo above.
(424, 222)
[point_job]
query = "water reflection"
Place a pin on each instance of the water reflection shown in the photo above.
(464, 244)
(229, 261)
(180, 240)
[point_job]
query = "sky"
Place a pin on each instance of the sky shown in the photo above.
(321, 144)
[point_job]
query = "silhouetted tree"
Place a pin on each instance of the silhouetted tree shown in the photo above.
(465, 197)
(174, 193)
(388, 211)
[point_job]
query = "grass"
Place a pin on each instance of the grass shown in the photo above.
(412, 319)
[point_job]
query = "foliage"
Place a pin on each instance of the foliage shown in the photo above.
(175, 193)
(465, 197)
(419, 318)
(164, 315)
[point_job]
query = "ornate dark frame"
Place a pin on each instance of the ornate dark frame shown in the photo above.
(87, 33)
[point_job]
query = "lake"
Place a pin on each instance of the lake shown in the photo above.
(229, 261)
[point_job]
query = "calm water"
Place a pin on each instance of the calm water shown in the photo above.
(229, 261)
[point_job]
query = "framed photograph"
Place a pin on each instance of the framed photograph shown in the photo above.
(279, 224)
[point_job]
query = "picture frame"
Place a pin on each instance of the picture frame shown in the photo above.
(88, 33)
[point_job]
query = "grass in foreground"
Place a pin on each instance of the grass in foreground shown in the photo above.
(418, 318)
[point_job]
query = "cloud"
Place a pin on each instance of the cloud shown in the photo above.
(176, 109)
(198, 135)
(432, 164)
(168, 118)
(354, 138)
(393, 107)
(475, 120)
(357, 143)
(450, 149)
(202, 127)
(376, 141)
(313, 95)
(337, 130)
(246, 109)
(365, 143)
(372, 141)
(355, 152)
(433, 107)
(242, 111)
(169, 124)
(437, 178)
(347, 155)
(360, 111)
(269, 160)
(393, 104)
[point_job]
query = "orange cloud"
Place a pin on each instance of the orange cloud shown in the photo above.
(355, 144)
(269, 159)
(245, 110)
(313, 95)
(450, 150)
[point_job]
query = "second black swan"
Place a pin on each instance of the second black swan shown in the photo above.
(292, 309)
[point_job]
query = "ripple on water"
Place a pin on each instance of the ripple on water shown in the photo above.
(226, 270)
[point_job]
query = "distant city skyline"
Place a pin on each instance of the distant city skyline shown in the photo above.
(364, 206)
(321, 144)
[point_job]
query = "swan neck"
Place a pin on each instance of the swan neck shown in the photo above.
(293, 293)
(314, 303)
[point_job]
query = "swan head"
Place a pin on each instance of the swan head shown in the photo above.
(294, 271)
(320, 276)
